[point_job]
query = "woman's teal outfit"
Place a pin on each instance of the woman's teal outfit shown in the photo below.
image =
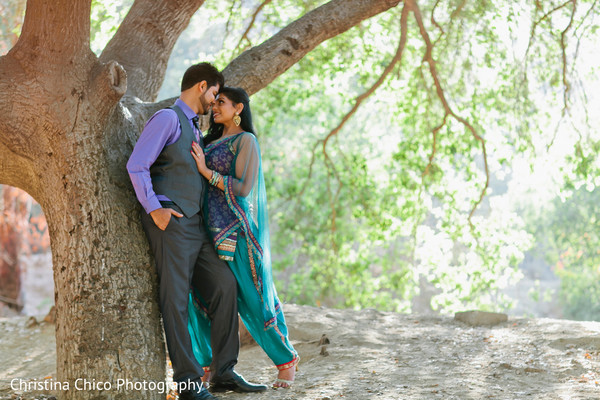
(237, 221)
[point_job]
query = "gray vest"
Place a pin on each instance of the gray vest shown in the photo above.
(175, 174)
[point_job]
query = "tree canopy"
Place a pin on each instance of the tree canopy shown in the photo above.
(397, 137)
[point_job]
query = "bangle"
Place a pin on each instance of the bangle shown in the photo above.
(214, 180)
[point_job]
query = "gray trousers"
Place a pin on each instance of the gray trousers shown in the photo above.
(185, 256)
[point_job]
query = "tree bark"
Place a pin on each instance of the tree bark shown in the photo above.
(144, 41)
(60, 122)
(255, 68)
(66, 132)
(53, 33)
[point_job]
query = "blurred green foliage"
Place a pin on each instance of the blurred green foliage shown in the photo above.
(105, 18)
(568, 235)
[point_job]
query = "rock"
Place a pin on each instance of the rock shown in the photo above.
(478, 318)
(31, 322)
(51, 316)
(324, 340)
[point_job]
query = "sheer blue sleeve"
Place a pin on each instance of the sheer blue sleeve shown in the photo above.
(247, 164)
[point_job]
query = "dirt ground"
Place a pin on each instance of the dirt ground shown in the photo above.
(379, 355)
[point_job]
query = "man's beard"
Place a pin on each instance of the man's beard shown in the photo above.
(204, 104)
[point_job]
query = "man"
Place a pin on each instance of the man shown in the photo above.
(171, 190)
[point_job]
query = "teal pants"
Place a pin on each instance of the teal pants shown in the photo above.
(273, 340)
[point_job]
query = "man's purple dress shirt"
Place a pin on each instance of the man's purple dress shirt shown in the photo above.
(161, 130)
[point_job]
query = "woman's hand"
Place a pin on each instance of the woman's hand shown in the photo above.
(198, 155)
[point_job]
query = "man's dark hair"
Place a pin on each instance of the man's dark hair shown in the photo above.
(202, 72)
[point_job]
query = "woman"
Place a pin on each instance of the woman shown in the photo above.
(236, 218)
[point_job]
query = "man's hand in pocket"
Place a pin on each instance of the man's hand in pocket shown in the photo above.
(162, 216)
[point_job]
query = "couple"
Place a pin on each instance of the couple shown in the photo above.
(206, 220)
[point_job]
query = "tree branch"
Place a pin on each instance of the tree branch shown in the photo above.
(145, 40)
(16, 170)
(562, 43)
(441, 95)
(310, 170)
(358, 101)
(587, 15)
(458, 9)
(257, 67)
(54, 32)
(331, 170)
(434, 133)
(389, 68)
(433, 21)
(563, 48)
(228, 24)
(108, 83)
(16, 132)
(251, 24)
(543, 18)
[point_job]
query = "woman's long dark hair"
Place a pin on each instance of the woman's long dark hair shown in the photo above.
(237, 96)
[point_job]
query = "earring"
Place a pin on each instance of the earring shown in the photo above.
(237, 120)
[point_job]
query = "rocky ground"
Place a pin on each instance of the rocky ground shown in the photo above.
(379, 355)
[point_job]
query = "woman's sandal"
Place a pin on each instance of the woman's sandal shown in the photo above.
(282, 383)
(206, 377)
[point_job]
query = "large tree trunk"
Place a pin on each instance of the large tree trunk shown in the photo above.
(108, 325)
(66, 132)
(59, 134)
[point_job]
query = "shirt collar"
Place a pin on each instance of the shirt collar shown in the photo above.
(185, 108)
